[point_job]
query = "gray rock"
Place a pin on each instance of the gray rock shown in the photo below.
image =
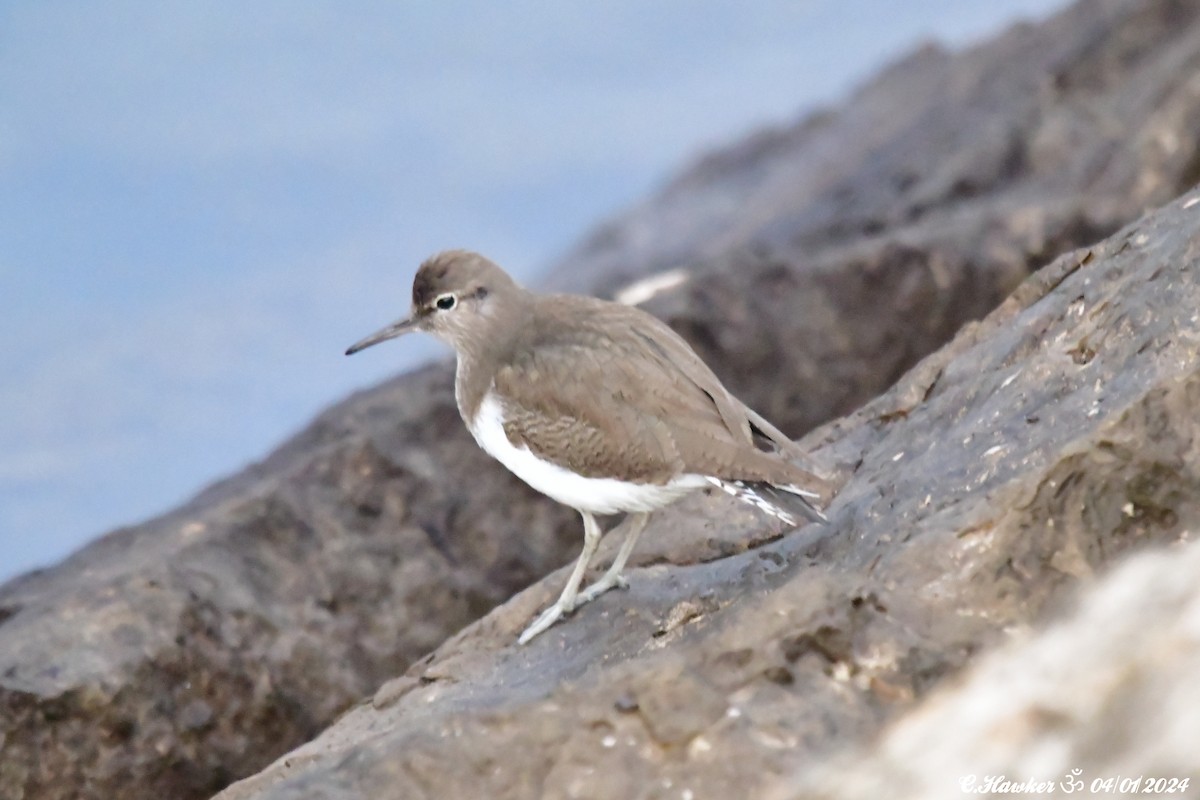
(1102, 702)
(1081, 122)
(839, 250)
(1032, 452)
(170, 658)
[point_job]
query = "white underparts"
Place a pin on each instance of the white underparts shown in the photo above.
(597, 495)
(603, 495)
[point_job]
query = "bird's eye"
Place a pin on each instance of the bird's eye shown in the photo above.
(445, 302)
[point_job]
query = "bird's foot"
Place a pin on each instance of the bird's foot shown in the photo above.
(602, 585)
(544, 620)
(560, 609)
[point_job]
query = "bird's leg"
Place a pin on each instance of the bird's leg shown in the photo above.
(567, 600)
(613, 577)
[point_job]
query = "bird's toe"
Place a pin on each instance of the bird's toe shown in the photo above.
(544, 620)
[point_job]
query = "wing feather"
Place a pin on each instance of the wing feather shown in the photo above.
(641, 406)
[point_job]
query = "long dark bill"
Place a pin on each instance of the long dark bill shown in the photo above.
(390, 332)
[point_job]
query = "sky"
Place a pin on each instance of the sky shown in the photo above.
(203, 204)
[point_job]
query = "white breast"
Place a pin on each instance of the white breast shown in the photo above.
(597, 495)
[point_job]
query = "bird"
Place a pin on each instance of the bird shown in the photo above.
(599, 405)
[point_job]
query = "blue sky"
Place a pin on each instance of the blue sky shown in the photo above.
(202, 204)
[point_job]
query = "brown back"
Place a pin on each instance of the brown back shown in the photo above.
(611, 391)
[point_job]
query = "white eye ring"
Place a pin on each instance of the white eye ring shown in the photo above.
(446, 301)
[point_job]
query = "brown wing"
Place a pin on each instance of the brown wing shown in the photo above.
(587, 410)
(735, 455)
(634, 402)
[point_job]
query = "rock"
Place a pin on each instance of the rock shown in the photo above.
(872, 232)
(171, 658)
(168, 659)
(1030, 141)
(1101, 702)
(1031, 453)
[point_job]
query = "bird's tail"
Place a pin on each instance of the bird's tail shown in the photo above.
(786, 503)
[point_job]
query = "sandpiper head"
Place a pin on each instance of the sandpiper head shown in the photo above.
(454, 295)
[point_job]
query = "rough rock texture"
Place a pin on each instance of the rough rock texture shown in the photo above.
(1033, 451)
(168, 659)
(1102, 703)
(173, 657)
(1079, 121)
(848, 245)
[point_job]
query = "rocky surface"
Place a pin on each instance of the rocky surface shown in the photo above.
(849, 244)
(1032, 452)
(1101, 703)
(171, 658)
(176, 656)
(1081, 121)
